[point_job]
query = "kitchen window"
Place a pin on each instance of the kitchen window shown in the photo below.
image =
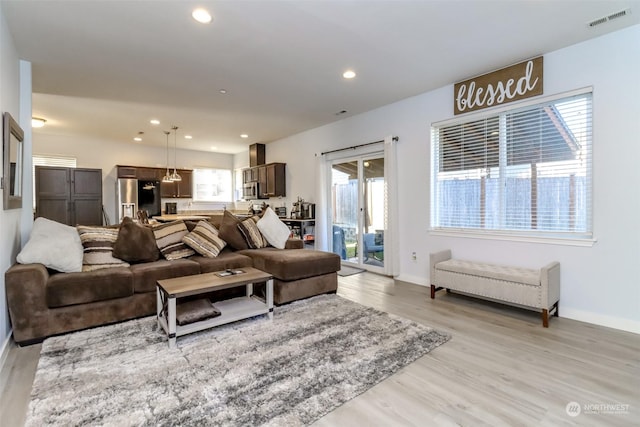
(524, 171)
(212, 185)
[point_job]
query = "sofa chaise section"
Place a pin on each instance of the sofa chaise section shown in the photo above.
(298, 273)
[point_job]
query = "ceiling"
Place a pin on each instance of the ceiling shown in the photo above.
(104, 68)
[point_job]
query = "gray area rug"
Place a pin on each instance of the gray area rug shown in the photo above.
(314, 356)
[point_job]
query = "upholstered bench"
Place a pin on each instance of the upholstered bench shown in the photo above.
(297, 273)
(537, 289)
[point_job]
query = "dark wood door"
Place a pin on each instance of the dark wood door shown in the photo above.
(53, 198)
(86, 196)
(69, 195)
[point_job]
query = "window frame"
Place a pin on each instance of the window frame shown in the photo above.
(580, 238)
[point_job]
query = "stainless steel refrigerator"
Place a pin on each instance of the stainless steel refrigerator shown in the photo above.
(127, 198)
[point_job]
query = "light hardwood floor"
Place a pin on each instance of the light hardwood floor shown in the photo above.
(501, 367)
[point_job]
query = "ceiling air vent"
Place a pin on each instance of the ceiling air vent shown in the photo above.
(609, 18)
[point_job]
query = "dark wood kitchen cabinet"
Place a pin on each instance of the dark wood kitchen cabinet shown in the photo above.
(141, 173)
(272, 181)
(70, 196)
(270, 178)
(178, 189)
(127, 172)
(149, 174)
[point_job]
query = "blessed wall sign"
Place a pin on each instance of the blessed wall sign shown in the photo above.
(509, 84)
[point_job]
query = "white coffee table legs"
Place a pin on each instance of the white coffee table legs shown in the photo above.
(270, 298)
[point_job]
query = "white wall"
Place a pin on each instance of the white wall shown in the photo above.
(600, 284)
(10, 220)
(105, 155)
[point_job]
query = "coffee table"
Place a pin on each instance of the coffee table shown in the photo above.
(169, 290)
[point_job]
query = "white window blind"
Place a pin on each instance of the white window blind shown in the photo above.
(523, 171)
(212, 185)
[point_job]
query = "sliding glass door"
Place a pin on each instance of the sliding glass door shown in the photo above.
(358, 210)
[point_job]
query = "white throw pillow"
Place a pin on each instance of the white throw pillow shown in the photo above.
(53, 244)
(275, 231)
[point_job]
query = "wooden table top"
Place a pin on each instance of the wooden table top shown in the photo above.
(207, 282)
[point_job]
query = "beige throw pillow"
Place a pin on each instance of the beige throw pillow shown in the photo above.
(55, 245)
(273, 229)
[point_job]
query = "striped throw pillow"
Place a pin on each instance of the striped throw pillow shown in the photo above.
(252, 234)
(204, 240)
(169, 240)
(97, 243)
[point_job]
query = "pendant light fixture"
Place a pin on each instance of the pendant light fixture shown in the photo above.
(174, 175)
(167, 176)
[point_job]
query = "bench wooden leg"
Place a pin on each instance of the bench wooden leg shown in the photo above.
(545, 317)
(435, 289)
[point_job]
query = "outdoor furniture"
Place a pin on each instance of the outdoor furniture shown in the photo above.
(370, 246)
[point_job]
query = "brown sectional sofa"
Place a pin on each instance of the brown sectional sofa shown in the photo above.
(43, 302)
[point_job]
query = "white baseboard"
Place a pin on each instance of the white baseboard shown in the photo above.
(4, 353)
(600, 319)
(416, 280)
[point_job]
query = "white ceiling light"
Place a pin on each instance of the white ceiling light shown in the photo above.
(137, 139)
(188, 137)
(201, 15)
(37, 122)
(154, 121)
(349, 74)
(244, 135)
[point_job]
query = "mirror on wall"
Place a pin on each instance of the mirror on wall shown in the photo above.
(12, 153)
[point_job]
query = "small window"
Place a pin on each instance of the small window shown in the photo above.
(521, 171)
(212, 185)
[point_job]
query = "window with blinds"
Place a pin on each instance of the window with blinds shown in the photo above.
(523, 171)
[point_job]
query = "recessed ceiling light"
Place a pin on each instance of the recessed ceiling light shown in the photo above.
(188, 137)
(201, 15)
(37, 122)
(244, 135)
(137, 139)
(223, 91)
(154, 121)
(349, 74)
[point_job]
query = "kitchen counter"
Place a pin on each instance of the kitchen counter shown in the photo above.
(184, 217)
